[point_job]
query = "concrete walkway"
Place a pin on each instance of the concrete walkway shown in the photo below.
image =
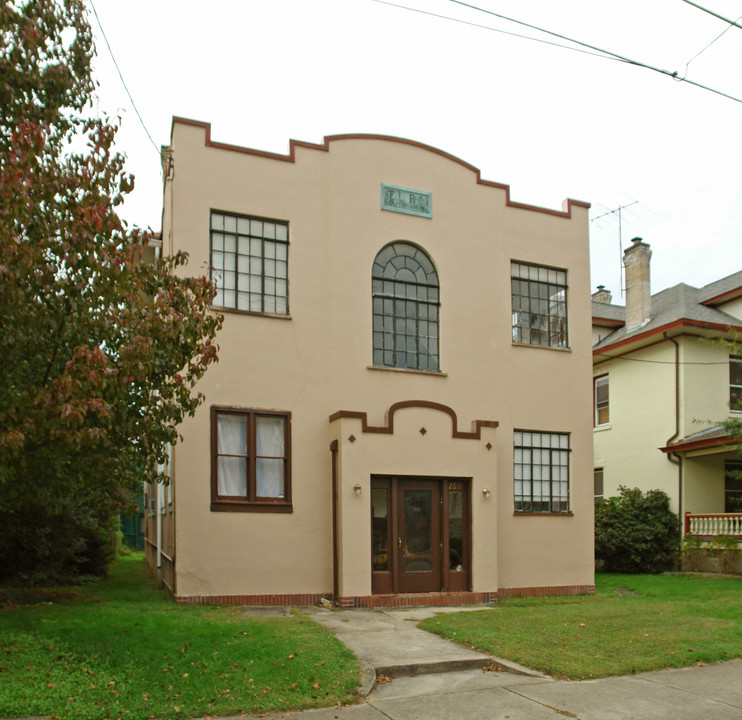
(428, 678)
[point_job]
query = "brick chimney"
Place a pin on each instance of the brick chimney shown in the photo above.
(602, 295)
(638, 294)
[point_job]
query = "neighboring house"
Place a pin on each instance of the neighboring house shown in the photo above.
(661, 390)
(400, 413)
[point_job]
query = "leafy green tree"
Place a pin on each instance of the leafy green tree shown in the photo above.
(636, 532)
(100, 350)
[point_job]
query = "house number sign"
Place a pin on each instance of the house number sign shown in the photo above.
(404, 200)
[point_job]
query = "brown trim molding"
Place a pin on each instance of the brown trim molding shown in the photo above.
(325, 146)
(388, 429)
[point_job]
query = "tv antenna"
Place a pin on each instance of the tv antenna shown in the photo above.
(617, 212)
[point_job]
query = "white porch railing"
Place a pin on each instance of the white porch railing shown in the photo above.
(709, 525)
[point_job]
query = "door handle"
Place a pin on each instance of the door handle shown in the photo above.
(399, 542)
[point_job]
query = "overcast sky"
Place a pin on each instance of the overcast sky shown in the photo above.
(550, 122)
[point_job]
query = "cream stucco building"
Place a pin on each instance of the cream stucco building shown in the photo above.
(401, 410)
(661, 391)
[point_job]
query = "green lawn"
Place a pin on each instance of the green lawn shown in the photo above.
(634, 623)
(122, 649)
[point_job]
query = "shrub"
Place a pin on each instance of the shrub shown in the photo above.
(725, 549)
(692, 553)
(636, 532)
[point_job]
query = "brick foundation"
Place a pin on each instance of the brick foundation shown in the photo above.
(386, 601)
(417, 600)
(254, 600)
(548, 590)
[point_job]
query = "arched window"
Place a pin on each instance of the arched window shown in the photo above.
(405, 306)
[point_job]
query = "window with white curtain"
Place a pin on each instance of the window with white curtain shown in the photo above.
(250, 460)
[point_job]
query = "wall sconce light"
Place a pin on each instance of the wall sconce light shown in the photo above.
(486, 492)
(357, 489)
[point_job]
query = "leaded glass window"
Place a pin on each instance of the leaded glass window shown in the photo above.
(405, 308)
(539, 297)
(541, 471)
(249, 263)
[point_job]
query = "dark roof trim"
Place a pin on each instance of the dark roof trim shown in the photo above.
(682, 446)
(682, 323)
(724, 297)
(325, 146)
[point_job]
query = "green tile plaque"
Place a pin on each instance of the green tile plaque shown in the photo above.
(404, 200)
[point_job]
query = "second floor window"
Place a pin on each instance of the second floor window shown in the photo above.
(249, 262)
(405, 308)
(600, 393)
(539, 296)
(735, 383)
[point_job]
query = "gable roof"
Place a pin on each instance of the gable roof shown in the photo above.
(680, 306)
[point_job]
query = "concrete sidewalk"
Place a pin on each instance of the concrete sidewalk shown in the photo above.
(433, 679)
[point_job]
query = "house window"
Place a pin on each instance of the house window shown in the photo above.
(405, 308)
(250, 460)
(598, 485)
(539, 305)
(249, 263)
(733, 487)
(735, 383)
(541, 472)
(601, 414)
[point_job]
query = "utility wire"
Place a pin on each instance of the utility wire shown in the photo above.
(716, 15)
(656, 362)
(123, 82)
(606, 53)
(491, 29)
(709, 45)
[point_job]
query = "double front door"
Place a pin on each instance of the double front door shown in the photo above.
(420, 535)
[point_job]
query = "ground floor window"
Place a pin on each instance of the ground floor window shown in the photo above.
(541, 471)
(733, 486)
(250, 460)
(598, 485)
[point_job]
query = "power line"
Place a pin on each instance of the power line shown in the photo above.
(657, 362)
(710, 44)
(716, 15)
(123, 82)
(496, 30)
(606, 53)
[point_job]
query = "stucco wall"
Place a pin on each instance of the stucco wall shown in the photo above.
(316, 362)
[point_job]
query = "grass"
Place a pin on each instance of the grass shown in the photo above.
(634, 623)
(123, 649)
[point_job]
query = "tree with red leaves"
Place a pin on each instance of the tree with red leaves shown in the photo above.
(99, 350)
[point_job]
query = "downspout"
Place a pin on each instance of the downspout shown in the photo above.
(675, 458)
(158, 510)
(335, 558)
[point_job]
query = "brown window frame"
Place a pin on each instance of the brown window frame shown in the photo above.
(250, 502)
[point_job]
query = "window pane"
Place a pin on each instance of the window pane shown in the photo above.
(269, 436)
(231, 434)
(379, 529)
(456, 530)
(269, 480)
(232, 476)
